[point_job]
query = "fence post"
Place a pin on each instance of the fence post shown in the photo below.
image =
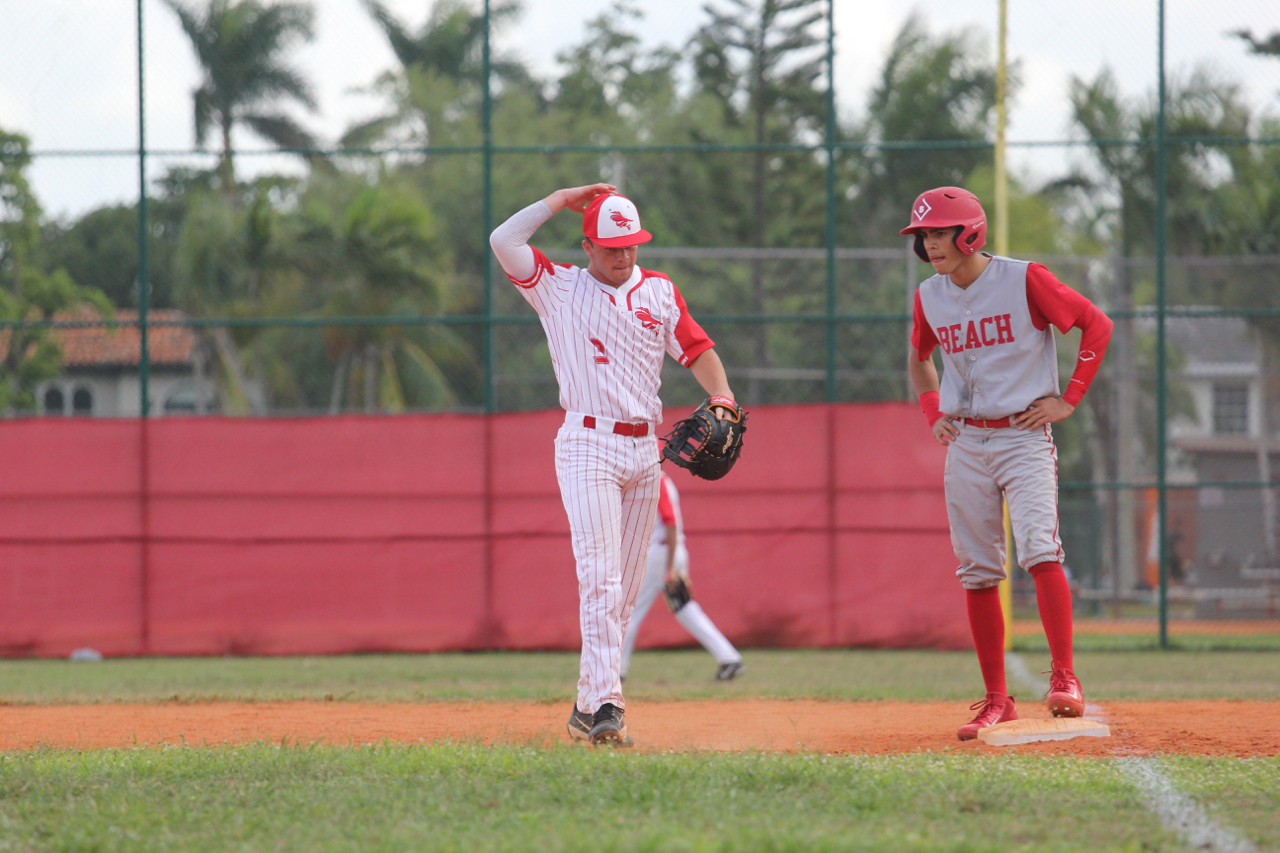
(144, 277)
(1162, 190)
(490, 402)
(831, 201)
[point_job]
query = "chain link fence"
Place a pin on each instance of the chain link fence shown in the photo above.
(1184, 414)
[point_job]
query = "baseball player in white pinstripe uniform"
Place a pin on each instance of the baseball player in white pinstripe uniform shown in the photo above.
(669, 560)
(609, 328)
(993, 320)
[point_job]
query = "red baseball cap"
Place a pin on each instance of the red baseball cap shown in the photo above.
(612, 220)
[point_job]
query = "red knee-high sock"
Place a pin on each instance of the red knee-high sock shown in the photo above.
(986, 622)
(1053, 597)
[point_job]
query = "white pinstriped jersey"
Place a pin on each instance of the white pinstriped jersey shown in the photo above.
(607, 344)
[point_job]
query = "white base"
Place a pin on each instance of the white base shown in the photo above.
(1027, 731)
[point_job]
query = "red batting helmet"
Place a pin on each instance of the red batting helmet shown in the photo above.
(948, 207)
(612, 220)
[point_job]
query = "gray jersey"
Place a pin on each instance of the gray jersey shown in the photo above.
(996, 362)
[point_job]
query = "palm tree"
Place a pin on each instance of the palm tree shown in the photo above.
(239, 43)
(448, 48)
(373, 250)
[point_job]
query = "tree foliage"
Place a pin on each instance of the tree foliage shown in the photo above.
(29, 289)
(397, 230)
(238, 44)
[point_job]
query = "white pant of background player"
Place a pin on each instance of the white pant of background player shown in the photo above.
(691, 616)
(605, 477)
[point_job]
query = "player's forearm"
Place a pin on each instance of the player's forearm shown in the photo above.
(557, 201)
(709, 371)
(510, 240)
(1095, 336)
(923, 375)
(924, 381)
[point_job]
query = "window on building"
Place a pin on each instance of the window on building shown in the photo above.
(82, 402)
(54, 402)
(1230, 408)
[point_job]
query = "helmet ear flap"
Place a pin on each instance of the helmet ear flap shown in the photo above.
(919, 247)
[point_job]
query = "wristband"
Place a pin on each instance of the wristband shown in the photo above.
(721, 400)
(929, 404)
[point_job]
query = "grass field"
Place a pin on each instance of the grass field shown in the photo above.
(467, 796)
(655, 675)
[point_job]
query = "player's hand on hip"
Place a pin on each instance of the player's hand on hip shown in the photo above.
(1046, 410)
(945, 430)
(578, 199)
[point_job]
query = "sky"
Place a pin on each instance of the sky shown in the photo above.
(68, 69)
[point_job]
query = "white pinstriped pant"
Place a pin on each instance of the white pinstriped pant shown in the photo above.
(610, 486)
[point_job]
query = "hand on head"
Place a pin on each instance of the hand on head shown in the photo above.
(578, 199)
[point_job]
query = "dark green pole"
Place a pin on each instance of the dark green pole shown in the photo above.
(831, 200)
(144, 366)
(833, 568)
(490, 629)
(487, 131)
(1162, 200)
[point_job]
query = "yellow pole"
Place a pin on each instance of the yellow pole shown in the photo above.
(1001, 240)
(1000, 233)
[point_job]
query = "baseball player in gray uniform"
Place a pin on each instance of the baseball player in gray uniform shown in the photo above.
(992, 318)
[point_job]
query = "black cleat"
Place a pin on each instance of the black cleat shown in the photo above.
(608, 727)
(730, 671)
(580, 724)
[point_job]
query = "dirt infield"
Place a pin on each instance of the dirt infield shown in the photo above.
(1192, 727)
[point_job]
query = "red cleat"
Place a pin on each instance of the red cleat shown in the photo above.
(994, 708)
(1065, 697)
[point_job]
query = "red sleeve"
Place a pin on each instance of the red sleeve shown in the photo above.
(923, 340)
(1051, 301)
(666, 512)
(541, 264)
(692, 339)
(1095, 334)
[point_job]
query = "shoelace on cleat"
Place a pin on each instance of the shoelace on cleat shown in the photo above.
(985, 706)
(1060, 680)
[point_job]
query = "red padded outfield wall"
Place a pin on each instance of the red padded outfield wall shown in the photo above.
(422, 533)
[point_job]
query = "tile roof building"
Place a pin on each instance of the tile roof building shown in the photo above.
(102, 359)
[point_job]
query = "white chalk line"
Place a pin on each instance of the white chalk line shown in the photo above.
(1177, 812)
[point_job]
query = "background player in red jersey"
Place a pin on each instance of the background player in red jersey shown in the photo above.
(993, 318)
(668, 573)
(609, 328)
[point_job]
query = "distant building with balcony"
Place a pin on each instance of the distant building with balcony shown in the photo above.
(101, 368)
(1232, 440)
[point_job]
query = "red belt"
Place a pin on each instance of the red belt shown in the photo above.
(996, 424)
(634, 430)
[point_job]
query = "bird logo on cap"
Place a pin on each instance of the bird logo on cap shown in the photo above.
(620, 220)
